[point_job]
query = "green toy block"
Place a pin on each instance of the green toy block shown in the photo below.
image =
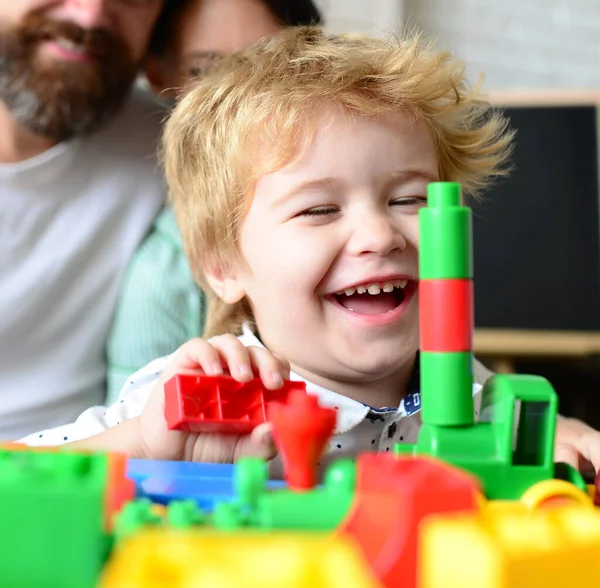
(319, 509)
(135, 516)
(230, 516)
(185, 514)
(511, 447)
(142, 513)
(445, 234)
(52, 518)
(447, 388)
(250, 481)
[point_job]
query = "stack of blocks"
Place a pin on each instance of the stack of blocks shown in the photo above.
(379, 521)
(446, 308)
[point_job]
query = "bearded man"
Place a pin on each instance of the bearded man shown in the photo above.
(79, 188)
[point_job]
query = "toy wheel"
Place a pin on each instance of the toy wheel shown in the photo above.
(550, 493)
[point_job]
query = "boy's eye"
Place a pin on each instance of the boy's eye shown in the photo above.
(410, 201)
(319, 211)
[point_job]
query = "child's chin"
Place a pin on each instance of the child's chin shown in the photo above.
(378, 368)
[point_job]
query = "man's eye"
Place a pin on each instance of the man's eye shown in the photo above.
(319, 211)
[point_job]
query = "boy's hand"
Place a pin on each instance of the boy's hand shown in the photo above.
(577, 444)
(223, 354)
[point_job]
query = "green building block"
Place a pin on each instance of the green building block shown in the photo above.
(135, 516)
(447, 388)
(445, 234)
(250, 481)
(512, 446)
(321, 508)
(52, 519)
(142, 513)
(185, 514)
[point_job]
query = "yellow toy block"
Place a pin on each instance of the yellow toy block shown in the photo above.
(510, 546)
(591, 491)
(169, 559)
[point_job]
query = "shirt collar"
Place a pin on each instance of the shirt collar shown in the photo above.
(351, 412)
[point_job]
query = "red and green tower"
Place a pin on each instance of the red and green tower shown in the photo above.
(512, 448)
(446, 307)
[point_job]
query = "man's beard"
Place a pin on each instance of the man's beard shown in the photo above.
(59, 99)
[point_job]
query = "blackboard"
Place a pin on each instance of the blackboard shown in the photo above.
(536, 234)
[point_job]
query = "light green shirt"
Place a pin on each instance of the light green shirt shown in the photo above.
(160, 306)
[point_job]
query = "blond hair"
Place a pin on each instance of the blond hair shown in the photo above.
(266, 96)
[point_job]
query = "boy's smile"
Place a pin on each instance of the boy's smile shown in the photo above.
(377, 301)
(330, 250)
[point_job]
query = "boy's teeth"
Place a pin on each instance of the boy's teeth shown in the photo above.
(375, 289)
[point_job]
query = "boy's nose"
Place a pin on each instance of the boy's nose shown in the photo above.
(375, 234)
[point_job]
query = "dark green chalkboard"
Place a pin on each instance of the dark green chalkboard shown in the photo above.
(536, 234)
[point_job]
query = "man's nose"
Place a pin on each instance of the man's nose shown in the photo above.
(90, 14)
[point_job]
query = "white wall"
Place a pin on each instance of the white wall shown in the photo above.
(362, 16)
(518, 44)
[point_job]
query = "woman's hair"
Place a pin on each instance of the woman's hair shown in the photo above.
(256, 112)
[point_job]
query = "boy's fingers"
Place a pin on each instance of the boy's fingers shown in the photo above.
(271, 369)
(593, 450)
(284, 366)
(198, 354)
(567, 454)
(235, 356)
(228, 352)
(262, 433)
(258, 444)
(211, 356)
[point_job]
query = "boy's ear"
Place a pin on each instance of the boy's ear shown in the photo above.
(225, 283)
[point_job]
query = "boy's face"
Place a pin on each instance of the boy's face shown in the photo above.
(343, 217)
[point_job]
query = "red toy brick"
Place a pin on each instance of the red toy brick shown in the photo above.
(446, 315)
(120, 489)
(219, 404)
(301, 429)
(393, 494)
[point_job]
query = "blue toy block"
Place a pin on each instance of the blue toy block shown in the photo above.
(206, 483)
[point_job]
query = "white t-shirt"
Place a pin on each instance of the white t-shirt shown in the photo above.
(70, 219)
(359, 427)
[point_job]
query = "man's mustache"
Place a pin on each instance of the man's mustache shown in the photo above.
(97, 42)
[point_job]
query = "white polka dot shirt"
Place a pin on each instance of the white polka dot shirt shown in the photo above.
(359, 427)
